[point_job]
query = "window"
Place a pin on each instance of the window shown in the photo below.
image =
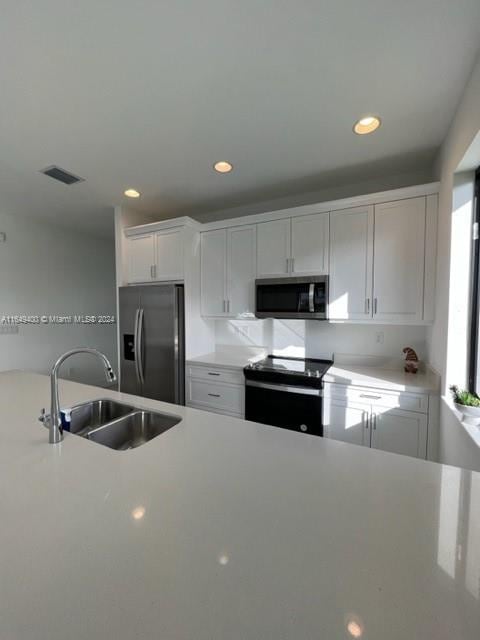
(474, 357)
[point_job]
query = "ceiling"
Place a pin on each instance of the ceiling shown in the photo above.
(150, 94)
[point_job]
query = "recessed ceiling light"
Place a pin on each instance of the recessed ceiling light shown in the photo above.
(354, 629)
(368, 124)
(223, 166)
(132, 193)
(138, 513)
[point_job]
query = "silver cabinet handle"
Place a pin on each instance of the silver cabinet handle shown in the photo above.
(365, 418)
(367, 306)
(375, 306)
(214, 395)
(224, 306)
(288, 265)
(228, 306)
(153, 271)
(292, 265)
(374, 421)
(366, 395)
(213, 374)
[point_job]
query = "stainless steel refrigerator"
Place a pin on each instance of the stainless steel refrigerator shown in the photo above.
(152, 342)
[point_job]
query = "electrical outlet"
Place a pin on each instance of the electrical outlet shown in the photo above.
(379, 337)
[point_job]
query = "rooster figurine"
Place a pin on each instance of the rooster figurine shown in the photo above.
(411, 360)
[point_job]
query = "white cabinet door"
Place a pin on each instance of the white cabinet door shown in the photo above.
(241, 271)
(399, 246)
(213, 272)
(141, 258)
(351, 264)
(273, 248)
(169, 254)
(346, 421)
(399, 431)
(310, 244)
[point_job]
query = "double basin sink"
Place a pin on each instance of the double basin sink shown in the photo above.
(117, 425)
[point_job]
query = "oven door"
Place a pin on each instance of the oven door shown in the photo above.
(292, 298)
(289, 407)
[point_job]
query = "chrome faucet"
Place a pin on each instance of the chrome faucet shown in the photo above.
(53, 421)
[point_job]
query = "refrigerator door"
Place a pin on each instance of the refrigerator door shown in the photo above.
(129, 315)
(160, 342)
(179, 345)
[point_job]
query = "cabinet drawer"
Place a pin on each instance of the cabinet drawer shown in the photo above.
(219, 396)
(221, 412)
(379, 398)
(231, 376)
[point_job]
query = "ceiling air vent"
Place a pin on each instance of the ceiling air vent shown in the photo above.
(61, 175)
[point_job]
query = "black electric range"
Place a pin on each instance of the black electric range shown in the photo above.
(286, 392)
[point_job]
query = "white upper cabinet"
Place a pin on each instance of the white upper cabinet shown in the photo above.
(310, 245)
(241, 271)
(398, 275)
(213, 272)
(159, 255)
(169, 254)
(351, 264)
(228, 268)
(273, 248)
(380, 259)
(141, 258)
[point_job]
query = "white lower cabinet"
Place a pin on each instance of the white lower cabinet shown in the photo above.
(373, 418)
(219, 390)
(346, 421)
(399, 431)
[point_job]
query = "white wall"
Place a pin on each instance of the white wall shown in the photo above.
(455, 445)
(316, 339)
(45, 270)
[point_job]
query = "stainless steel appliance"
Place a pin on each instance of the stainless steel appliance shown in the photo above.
(152, 339)
(305, 298)
(286, 392)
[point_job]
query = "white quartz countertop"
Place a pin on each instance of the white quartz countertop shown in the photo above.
(235, 358)
(225, 529)
(379, 378)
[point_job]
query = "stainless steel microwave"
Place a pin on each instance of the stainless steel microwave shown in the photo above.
(303, 298)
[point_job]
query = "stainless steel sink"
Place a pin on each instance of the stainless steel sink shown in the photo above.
(133, 430)
(91, 415)
(117, 425)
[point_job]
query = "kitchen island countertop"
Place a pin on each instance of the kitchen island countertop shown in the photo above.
(221, 528)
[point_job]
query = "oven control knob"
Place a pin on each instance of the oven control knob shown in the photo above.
(303, 427)
(317, 373)
(309, 373)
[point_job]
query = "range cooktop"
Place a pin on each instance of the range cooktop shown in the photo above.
(284, 370)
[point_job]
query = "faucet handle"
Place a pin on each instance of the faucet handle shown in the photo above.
(43, 416)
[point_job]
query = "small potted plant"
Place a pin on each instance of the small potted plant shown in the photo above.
(468, 404)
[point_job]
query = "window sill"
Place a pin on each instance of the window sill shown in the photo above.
(472, 430)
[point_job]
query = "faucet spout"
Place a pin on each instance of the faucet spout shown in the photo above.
(55, 430)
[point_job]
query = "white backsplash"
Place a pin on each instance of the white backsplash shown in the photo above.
(312, 338)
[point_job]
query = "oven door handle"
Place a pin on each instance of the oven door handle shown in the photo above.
(285, 388)
(311, 292)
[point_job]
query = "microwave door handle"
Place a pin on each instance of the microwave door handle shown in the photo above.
(311, 292)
